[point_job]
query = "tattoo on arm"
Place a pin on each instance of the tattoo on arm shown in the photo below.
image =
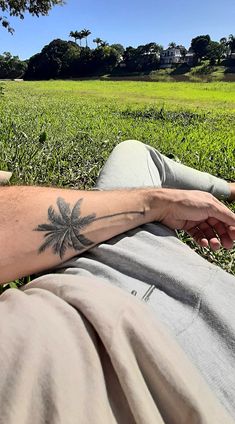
(64, 230)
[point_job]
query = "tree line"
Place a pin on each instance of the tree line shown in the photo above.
(70, 59)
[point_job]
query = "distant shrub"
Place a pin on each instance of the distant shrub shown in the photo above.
(203, 69)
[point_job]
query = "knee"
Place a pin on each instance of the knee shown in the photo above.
(136, 146)
(130, 145)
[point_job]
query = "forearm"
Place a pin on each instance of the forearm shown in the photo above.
(41, 227)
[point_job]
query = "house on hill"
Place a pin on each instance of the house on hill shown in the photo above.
(170, 56)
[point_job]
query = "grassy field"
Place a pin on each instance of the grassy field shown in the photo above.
(60, 133)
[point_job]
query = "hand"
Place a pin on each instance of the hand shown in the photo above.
(201, 215)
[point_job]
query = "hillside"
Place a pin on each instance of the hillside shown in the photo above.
(201, 73)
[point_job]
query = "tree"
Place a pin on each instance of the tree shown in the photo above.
(80, 37)
(214, 52)
(199, 46)
(143, 58)
(104, 59)
(129, 58)
(86, 33)
(75, 35)
(223, 40)
(224, 46)
(104, 44)
(183, 50)
(231, 43)
(98, 41)
(119, 48)
(82, 66)
(152, 48)
(55, 60)
(19, 8)
(172, 45)
(148, 56)
(11, 66)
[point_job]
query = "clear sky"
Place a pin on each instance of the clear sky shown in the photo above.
(129, 22)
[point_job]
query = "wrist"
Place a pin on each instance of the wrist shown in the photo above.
(157, 201)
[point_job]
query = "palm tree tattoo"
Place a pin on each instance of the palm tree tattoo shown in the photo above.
(64, 230)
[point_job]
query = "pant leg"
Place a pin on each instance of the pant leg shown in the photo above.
(134, 164)
(193, 297)
(130, 165)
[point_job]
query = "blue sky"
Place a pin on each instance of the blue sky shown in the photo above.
(129, 22)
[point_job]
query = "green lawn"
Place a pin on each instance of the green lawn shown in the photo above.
(61, 132)
(219, 94)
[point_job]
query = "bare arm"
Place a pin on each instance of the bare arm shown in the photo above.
(41, 227)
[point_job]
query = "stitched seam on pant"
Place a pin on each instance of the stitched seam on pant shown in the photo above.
(198, 307)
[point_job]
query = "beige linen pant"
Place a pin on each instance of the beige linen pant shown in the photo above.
(79, 350)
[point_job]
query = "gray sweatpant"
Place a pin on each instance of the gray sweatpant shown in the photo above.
(193, 297)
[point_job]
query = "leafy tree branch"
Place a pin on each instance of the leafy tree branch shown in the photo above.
(18, 8)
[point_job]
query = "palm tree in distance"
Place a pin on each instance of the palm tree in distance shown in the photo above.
(223, 40)
(104, 44)
(80, 37)
(73, 34)
(86, 33)
(98, 41)
(77, 35)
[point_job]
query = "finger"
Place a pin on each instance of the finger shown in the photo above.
(205, 237)
(198, 236)
(231, 230)
(220, 226)
(219, 229)
(213, 233)
(207, 230)
(224, 234)
(226, 241)
(210, 235)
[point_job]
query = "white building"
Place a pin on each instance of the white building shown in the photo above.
(170, 56)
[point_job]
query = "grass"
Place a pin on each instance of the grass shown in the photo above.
(61, 132)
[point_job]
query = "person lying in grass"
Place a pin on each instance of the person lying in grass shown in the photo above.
(123, 231)
(41, 227)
